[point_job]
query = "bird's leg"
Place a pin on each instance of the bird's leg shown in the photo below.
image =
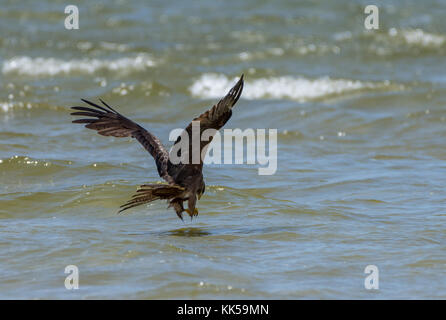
(177, 204)
(191, 210)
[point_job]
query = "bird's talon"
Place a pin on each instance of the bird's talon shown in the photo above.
(190, 212)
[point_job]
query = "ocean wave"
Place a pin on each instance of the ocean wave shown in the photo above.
(301, 89)
(52, 66)
(24, 165)
(10, 105)
(108, 46)
(6, 106)
(418, 37)
(15, 105)
(294, 49)
(406, 42)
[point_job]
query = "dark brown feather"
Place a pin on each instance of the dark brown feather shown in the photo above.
(214, 118)
(151, 192)
(108, 122)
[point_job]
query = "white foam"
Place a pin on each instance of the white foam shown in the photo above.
(11, 105)
(300, 49)
(418, 37)
(6, 106)
(424, 39)
(52, 66)
(301, 89)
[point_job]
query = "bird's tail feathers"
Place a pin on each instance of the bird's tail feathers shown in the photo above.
(150, 192)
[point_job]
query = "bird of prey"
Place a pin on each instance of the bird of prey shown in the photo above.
(184, 180)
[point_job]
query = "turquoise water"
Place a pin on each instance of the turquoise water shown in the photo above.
(361, 161)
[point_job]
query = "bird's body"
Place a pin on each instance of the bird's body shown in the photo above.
(185, 180)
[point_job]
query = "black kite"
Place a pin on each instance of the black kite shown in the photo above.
(184, 181)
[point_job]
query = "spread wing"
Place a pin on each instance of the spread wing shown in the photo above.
(214, 118)
(108, 122)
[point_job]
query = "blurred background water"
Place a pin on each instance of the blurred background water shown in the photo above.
(361, 159)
